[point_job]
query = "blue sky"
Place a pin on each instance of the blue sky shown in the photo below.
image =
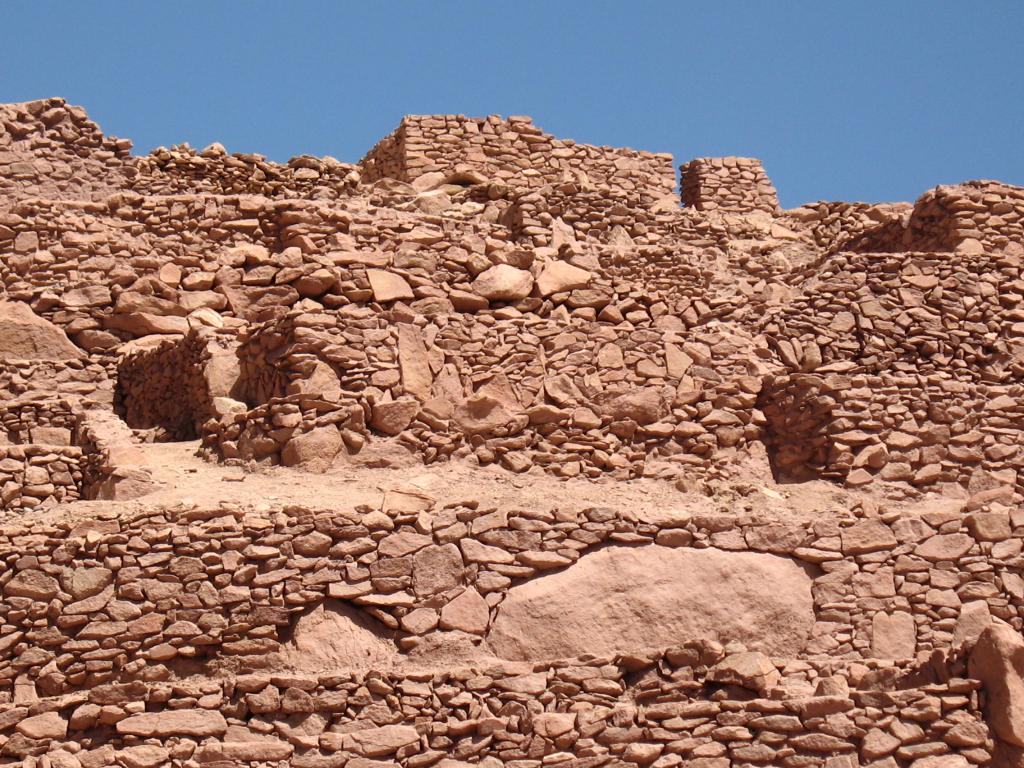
(841, 100)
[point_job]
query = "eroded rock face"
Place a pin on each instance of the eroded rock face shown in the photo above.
(189, 722)
(625, 598)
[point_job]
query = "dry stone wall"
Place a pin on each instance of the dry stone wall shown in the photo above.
(583, 714)
(510, 151)
(916, 312)
(971, 218)
(27, 378)
(40, 461)
(137, 602)
(58, 450)
(112, 465)
(543, 245)
(476, 291)
(833, 225)
(38, 420)
(184, 170)
(514, 390)
(36, 474)
(921, 430)
(728, 185)
(168, 587)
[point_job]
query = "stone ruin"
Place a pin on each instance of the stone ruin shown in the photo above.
(569, 468)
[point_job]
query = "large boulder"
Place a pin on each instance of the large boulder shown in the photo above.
(199, 723)
(26, 336)
(560, 276)
(503, 282)
(315, 450)
(998, 662)
(622, 599)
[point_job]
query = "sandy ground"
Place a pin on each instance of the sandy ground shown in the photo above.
(183, 477)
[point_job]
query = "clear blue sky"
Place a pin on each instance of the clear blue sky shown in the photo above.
(858, 100)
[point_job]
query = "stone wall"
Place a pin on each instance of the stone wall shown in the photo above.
(150, 263)
(507, 389)
(976, 216)
(212, 171)
(564, 281)
(687, 398)
(40, 464)
(43, 378)
(510, 151)
(970, 218)
(175, 386)
(38, 420)
(113, 467)
(865, 572)
(35, 475)
(922, 430)
(60, 450)
(581, 714)
(911, 313)
(479, 290)
(727, 185)
(559, 215)
(139, 603)
(834, 224)
(50, 149)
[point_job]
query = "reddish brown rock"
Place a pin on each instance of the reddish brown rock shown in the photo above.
(313, 450)
(468, 613)
(198, 723)
(998, 661)
(503, 283)
(620, 598)
(26, 336)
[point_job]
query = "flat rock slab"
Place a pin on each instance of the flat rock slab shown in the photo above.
(26, 336)
(622, 599)
(184, 722)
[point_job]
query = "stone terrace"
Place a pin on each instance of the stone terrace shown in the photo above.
(798, 434)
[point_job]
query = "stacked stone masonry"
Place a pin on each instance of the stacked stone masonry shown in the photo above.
(477, 295)
(513, 151)
(136, 602)
(727, 184)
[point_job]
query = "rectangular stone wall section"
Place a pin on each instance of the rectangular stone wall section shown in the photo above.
(727, 184)
(511, 151)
